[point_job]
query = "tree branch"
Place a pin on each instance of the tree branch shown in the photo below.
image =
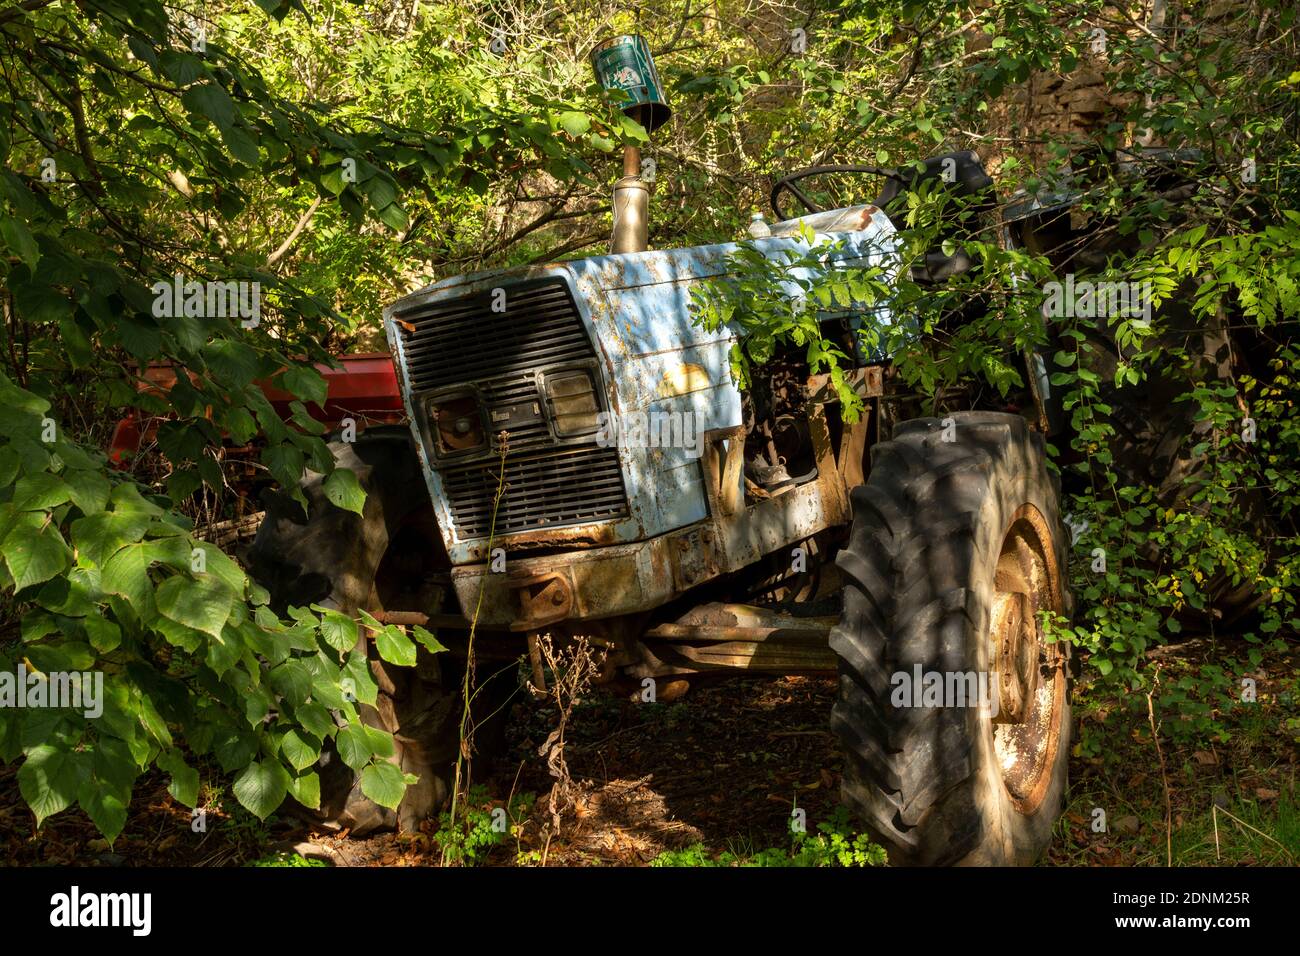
(289, 240)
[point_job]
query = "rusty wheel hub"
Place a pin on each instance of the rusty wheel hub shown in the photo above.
(1029, 673)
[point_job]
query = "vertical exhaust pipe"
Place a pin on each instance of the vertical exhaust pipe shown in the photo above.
(624, 64)
(631, 213)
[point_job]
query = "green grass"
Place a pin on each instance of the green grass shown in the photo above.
(1229, 772)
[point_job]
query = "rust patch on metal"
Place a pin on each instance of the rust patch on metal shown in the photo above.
(868, 382)
(1031, 673)
(682, 380)
(582, 534)
(420, 619)
(722, 475)
(720, 637)
(541, 599)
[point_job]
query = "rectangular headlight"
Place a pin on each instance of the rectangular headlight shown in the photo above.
(571, 398)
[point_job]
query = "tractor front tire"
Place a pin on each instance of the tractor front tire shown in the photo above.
(953, 707)
(348, 562)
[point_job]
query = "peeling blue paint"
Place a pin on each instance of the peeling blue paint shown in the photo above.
(637, 308)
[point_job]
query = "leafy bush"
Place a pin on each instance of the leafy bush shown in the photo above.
(1203, 388)
(481, 825)
(138, 152)
(113, 582)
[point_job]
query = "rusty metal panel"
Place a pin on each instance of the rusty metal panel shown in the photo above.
(581, 584)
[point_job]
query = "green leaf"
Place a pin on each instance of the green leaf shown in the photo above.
(315, 719)
(285, 463)
(379, 741)
(233, 744)
(183, 483)
(173, 550)
(212, 102)
(344, 491)
(76, 343)
(49, 780)
(429, 640)
(383, 783)
(184, 786)
(104, 635)
(179, 635)
(257, 704)
(89, 490)
(64, 656)
(339, 630)
(357, 670)
(292, 681)
(224, 651)
(306, 790)
(32, 455)
(20, 240)
(381, 191)
(114, 762)
(10, 737)
(36, 625)
(393, 216)
(354, 746)
(218, 564)
(395, 647)
(333, 180)
(152, 720)
(9, 462)
(304, 382)
(573, 123)
(241, 145)
(97, 537)
(325, 690)
(632, 129)
(261, 787)
(201, 603)
(233, 362)
(126, 499)
(301, 751)
(182, 67)
(106, 805)
(34, 554)
(241, 425)
(40, 492)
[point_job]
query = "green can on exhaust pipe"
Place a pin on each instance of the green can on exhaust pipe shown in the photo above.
(624, 63)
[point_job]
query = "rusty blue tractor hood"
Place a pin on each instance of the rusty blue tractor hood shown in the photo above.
(637, 309)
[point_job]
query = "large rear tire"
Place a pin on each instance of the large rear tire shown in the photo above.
(956, 547)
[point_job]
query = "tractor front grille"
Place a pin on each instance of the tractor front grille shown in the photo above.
(573, 485)
(549, 482)
(463, 340)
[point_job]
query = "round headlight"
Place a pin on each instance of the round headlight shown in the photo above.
(457, 423)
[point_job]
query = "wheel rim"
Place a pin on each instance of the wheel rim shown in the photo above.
(1029, 673)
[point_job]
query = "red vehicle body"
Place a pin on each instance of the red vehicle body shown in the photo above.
(364, 389)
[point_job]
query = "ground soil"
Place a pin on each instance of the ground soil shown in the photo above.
(724, 767)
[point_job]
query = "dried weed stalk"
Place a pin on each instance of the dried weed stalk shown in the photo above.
(572, 669)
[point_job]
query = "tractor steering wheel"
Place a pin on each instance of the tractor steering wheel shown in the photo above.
(787, 183)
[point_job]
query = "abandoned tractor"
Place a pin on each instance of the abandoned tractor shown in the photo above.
(771, 535)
